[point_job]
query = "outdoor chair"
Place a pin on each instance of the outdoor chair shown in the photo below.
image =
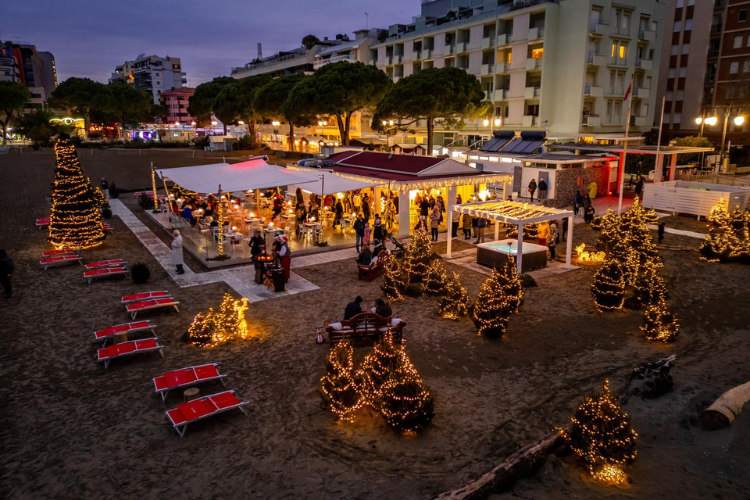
(205, 407)
(107, 354)
(106, 263)
(138, 297)
(59, 260)
(147, 305)
(42, 222)
(90, 276)
(111, 332)
(186, 377)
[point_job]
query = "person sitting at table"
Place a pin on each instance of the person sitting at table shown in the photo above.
(365, 256)
(277, 206)
(187, 214)
(382, 308)
(353, 308)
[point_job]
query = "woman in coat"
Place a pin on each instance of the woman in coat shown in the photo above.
(435, 222)
(466, 225)
(177, 259)
(552, 240)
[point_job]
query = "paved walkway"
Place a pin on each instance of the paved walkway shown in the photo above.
(239, 278)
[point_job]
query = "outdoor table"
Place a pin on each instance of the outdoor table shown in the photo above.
(190, 394)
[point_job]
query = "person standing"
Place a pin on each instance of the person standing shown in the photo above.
(532, 188)
(542, 233)
(565, 229)
(434, 222)
(481, 224)
(577, 202)
(366, 207)
(639, 186)
(177, 259)
(257, 246)
(466, 225)
(282, 252)
(592, 189)
(424, 207)
(339, 213)
(662, 229)
(6, 271)
(359, 232)
(105, 187)
(454, 224)
(552, 240)
(357, 202)
(542, 190)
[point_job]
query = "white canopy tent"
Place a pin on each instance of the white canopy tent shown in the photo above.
(245, 176)
(330, 183)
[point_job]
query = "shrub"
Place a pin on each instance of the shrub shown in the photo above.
(527, 281)
(107, 212)
(140, 273)
(145, 202)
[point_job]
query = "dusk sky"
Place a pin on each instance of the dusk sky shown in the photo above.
(89, 38)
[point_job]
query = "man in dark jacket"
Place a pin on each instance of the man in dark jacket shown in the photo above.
(353, 308)
(424, 207)
(542, 189)
(532, 188)
(365, 256)
(6, 270)
(359, 231)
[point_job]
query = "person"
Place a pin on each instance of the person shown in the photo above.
(592, 189)
(368, 232)
(257, 244)
(454, 224)
(6, 271)
(542, 189)
(366, 207)
(543, 231)
(586, 203)
(458, 199)
(359, 231)
(565, 229)
(639, 186)
(105, 187)
(282, 252)
(481, 224)
(357, 201)
(378, 230)
(661, 230)
(382, 308)
(510, 197)
(435, 222)
(177, 259)
(365, 256)
(353, 308)
(377, 246)
(474, 223)
(466, 225)
(339, 213)
(532, 188)
(187, 214)
(588, 214)
(639, 168)
(421, 224)
(424, 207)
(577, 202)
(277, 205)
(552, 240)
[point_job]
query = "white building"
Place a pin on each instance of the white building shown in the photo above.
(152, 74)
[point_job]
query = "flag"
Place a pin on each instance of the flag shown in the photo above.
(627, 92)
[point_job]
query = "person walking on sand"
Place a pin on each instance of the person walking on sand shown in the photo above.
(6, 270)
(532, 188)
(177, 259)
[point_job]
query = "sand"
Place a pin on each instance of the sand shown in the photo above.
(71, 429)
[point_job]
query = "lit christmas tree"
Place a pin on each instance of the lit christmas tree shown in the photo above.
(493, 307)
(75, 219)
(393, 282)
(339, 383)
(634, 222)
(649, 285)
(608, 287)
(601, 436)
(216, 327)
(376, 368)
(455, 302)
(418, 256)
(200, 332)
(512, 284)
(435, 279)
(659, 323)
(721, 242)
(101, 200)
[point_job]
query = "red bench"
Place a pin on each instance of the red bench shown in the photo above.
(62, 259)
(103, 273)
(107, 354)
(376, 267)
(205, 407)
(138, 297)
(146, 305)
(106, 263)
(364, 329)
(110, 332)
(42, 222)
(186, 377)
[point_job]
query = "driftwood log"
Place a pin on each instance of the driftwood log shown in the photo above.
(647, 380)
(725, 409)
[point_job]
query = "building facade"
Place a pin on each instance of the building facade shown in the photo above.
(557, 66)
(176, 102)
(24, 64)
(152, 74)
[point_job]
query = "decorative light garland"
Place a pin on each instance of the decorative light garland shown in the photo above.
(659, 323)
(587, 257)
(499, 297)
(418, 255)
(727, 239)
(608, 287)
(216, 327)
(435, 278)
(340, 382)
(220, 229)
(455, 302)
(153, 188)
(393, 282)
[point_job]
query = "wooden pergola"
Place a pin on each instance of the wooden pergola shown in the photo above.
(519, 214)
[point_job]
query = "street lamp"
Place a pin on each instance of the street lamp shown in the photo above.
(498, 122)
(739, 120)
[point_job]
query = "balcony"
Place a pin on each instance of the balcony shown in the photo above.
(428, 53)
(500, 94)
(647, 35)
(536, 33)
(503, 39)
(533, 63)
(488, 42)
(531, 92)
(373, 61)
(322, 62)
(593, 91)
(591, 121)
(462, 47)
(502, 67)
(450, 49)
(389, 60)
(398, 58)
(396, 78)
(639, 121)
(620, 32)
(488, 69)
(644, 64)
(530, 121)
(598, 29)
(617, 61)
(642, 92)
(596, 59)
(615, 92)
(416, 55)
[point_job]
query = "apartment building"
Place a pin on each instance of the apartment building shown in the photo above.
(357, 50)
(24, 64)
(176, 102)
(559, 66)
(152, 74)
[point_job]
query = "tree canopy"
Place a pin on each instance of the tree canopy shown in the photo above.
(81, 96)
(13, 97)
(201, 103)
(272, 103)
(236, 101)
(444, 95)
(310, 41)
(37, 127)
(128, 104)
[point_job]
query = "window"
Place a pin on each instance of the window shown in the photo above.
(675, 50)
(683, 72)
(669, 95)
(688, 24)
(537, 53)
(671, 73)
(741, 16)
(737, 42)
(614, 49)
(734, 68)
(685, 48)
(746, 67)
(677, 26)
(676, 118)
(623, 51)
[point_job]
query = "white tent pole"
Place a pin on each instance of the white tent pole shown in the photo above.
(569, 243)
(519, 248)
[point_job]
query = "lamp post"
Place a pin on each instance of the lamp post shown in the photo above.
(388, 131)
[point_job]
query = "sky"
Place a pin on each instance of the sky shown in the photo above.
(90, 38)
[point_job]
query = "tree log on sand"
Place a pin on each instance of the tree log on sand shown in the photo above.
(725, 409)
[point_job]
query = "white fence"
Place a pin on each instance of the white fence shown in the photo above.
(713, 178)
(693, 197)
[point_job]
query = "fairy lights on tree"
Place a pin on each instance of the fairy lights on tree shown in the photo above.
(153, 188)
(216, 327)
(393, 282)
(727, 239)
(499, 297)
(659, 323)
(608, 287)
(602, 437)
(418, 255)
(435, 279)
(220, 228)
(75, 219)
(455, 302)
(339, 383)
(649, 285)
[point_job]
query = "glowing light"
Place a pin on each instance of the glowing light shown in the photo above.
(739, 120)
(712, 120)
(698, 120)
(611, 474)
(212, 328)
(585, 256)
(485, 122)
(214, 122)
(498, 122)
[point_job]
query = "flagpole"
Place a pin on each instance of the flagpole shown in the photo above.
(657, 173)
(625, 148)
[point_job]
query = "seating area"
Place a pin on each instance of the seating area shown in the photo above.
(187, 377)
(146, 305)
(90, 276)
(205, 407)
(375, 269)
(123, 349)
(60, 260)
(364, 329)
(102, 264)
(122, 331)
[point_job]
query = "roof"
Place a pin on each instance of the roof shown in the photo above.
(338, 48)
(394, 163)
(390, 176)
(513, 212)
(567, 157)
(643, 150)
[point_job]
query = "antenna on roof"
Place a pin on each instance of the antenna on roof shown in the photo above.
(367, 20)
(260, 50)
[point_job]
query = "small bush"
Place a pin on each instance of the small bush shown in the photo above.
(413, 290)
(527, 281)
(107, 212)
(145, 202)
(140, 273)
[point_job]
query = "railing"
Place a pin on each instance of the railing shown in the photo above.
(713, 178)
(322, 62)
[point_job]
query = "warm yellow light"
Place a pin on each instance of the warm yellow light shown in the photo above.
(234, 228)
(485, 122)
(498, 122)
(622, 51)
(390, 122)
(712, 120)
(739, 120)
(240, 122)
(192, 123)
(385, 123)
(320, 124)
(698, 120)
(214, 123)
(611, 474)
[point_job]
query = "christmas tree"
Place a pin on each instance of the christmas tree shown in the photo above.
(721, 242)
(455, 302)
(634, 222)
(435, 279)
(393, 282)
(649, 285)
(493, 307)
(216, 327)
(418, 256)
(512, 284)
(200, 332)
(101, 200)
(376, 368)
(601, 436)
(608, 287)
(660, 324)
(339, 383)
(75, 219)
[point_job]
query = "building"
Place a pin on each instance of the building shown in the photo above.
(357, 50)
(557, 66)
(176, 102)
(152, 74)
(20, 62)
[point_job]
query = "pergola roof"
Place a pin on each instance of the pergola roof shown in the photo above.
(638, 150)
(512, 212)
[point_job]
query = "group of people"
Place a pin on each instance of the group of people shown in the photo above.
(582, 205)
(379, 307)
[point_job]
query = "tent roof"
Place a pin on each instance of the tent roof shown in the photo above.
(330, 183)
(511, 212)
(244, 176)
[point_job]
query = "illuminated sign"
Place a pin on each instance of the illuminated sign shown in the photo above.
(67, 121)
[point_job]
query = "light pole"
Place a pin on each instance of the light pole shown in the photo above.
(387, 124)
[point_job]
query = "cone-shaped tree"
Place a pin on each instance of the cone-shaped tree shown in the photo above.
(649, 285)
(601, 435)
(215, 327)
(339, 385)
(75, 220)
(659, 323)
(634, 222)
(200, 332)
(405, 402)
(608, 287)
(435, 278)
(393, 281)
(492, 307)
(418, 255)
(455, 302)
(376, 368)
(721, 242)
(512, 284)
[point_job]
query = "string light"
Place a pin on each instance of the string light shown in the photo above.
(393, 282)
(426, 185)
(659, 323)
(649, 285)
(339, 384)
(153, 188)
(216, 327)
(608, 287)
(499, 297)
(220, 229)
(455, 301)
(589, 257)
(727, 239)
(435, 278)
(601, 436)
(418, 255)
(75, 219)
